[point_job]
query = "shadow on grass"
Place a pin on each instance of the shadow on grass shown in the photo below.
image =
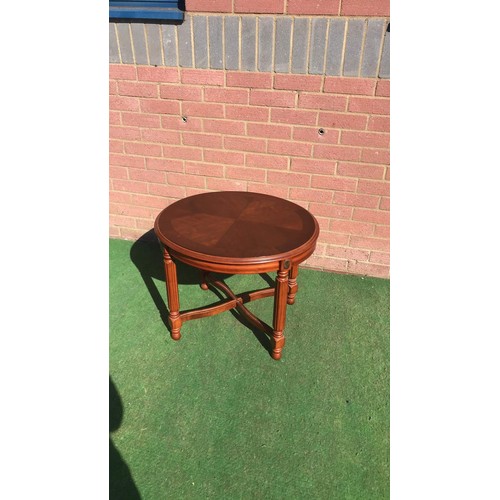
(121, 483)
(147, 256)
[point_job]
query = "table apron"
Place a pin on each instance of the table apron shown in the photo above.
(253, 268)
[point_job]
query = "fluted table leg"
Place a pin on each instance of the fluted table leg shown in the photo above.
(279, 316)
(293, 288)
(172, 295)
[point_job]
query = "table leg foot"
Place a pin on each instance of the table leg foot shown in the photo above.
(175, 326)
(279, 342)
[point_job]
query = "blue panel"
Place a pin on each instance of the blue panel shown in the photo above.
(143, 9)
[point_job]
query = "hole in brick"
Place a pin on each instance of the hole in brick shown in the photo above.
(184, 119)
(321, 131)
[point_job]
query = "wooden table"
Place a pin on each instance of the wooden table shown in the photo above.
(236, 233)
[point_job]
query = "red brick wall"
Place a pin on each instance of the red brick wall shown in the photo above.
(257, 132)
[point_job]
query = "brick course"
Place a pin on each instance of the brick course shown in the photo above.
(294, 7)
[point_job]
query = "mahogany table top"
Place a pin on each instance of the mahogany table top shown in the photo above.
(237, 227)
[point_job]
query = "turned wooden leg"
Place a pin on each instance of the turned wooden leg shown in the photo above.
(293, 288)
(172, 295)
(204, 284)
(279, 316)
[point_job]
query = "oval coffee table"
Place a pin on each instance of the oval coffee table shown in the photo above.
(234, 232)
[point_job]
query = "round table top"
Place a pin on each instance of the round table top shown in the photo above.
(236, 226)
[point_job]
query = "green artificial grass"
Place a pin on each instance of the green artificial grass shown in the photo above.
(214, 416)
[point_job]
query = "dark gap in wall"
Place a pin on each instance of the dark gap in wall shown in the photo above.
(147, 21)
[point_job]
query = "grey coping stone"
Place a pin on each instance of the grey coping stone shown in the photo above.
(318, 42)
(335, 47)
(385, 67)
(125, 43)
(371, 51)
(266, 28)
(215, 40)
(184, 43)
(169, 33)
(282, 44)
(299, 45)
(352, 52)
(114, 53)
(248, 35)
(139, 41)
(154, 44)
(200, 41)
(231, 42)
